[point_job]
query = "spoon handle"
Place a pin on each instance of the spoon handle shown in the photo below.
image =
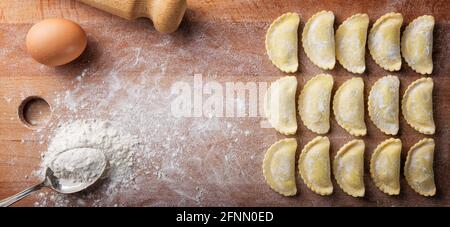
(11, 200)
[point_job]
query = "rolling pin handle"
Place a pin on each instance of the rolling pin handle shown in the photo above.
(167, 14)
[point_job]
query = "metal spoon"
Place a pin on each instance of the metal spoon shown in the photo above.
(63, 186)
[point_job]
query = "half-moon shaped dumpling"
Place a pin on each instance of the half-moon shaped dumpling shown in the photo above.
(348, 168)
(348, 106)
(385, 166)
(318, 39)
(384, 104)
(417, 44)
(282, 42)
(417, 106)
(351, 43)
(314, 103)
(384, 41)
(419, 167)
(279, 166)
(314, 165)
(279, 105)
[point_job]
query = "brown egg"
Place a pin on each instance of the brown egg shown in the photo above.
(56, 42)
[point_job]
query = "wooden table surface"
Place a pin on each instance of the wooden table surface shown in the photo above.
(219, 162)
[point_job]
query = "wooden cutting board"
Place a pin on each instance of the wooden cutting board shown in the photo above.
(203, 161)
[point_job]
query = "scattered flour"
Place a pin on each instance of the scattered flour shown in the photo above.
(120, 103)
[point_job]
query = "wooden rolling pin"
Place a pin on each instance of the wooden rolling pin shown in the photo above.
(165, 14)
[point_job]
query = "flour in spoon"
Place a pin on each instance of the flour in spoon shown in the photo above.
(79, 165)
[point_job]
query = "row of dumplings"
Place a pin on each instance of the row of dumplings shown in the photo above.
(323, 46)
(348, 105)
(348, 167)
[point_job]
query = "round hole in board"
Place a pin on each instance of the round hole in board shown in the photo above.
(34, 112)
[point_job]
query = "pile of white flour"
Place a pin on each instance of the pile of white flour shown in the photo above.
(81, 165)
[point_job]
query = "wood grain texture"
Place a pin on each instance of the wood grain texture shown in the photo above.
(223, 40)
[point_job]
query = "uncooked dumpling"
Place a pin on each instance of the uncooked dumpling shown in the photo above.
(279, 105)
(348, 106)
(384, 41)
(314, 165)
(282, 42)
(417, 106)
(419, 167)
(314, 103)
(417, 44)
(384, 104)
(385, 166)
(348, 168)
(318, 39)
(279, 167)
(351, 43)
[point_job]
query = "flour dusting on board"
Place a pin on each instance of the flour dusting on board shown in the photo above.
(160, 160)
